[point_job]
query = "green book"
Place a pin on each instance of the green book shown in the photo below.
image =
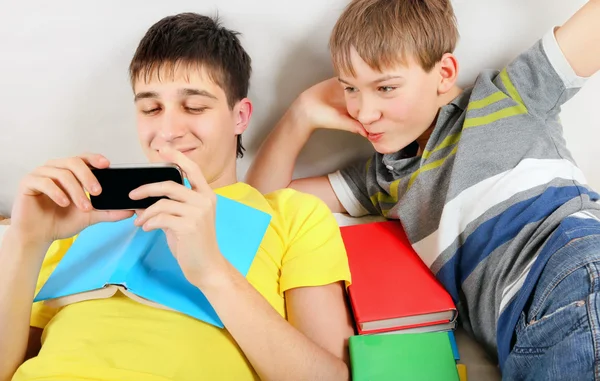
(403, 356)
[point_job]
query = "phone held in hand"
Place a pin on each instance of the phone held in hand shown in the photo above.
(119, 180)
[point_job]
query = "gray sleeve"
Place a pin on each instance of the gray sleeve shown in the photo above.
(350, 187)
(540, 79)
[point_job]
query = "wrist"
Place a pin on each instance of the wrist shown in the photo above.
(21, 248)
(25, 239)
(220, 277)
(297, 118)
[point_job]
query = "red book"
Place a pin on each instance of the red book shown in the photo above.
(392, 289)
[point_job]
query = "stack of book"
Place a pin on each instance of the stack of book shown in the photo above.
(404, 317)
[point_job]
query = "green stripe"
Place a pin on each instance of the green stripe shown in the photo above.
(449, 141)
(512, 90)
(495, 116)
(384, 198)
(491, 99)
(430, 166)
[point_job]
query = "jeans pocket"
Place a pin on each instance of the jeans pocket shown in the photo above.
(536, 336)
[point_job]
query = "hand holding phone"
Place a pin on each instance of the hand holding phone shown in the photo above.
(119, 180)
(51, 203)
(188, 219)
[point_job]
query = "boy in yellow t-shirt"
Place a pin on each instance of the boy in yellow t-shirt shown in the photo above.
(286, 320)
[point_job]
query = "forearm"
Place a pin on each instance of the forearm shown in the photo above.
(579, 39)
(276, 349)
(274, 164)
(19, 268)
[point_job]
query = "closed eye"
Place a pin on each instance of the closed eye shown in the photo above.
(151, 111)
(196, 109)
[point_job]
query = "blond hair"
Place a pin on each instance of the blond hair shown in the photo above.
(385, 32)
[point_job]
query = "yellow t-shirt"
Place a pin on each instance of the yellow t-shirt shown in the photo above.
(120, 339)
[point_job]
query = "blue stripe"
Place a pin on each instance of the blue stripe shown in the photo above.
(498, 230)
(569, 229)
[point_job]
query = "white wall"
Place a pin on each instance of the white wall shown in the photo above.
(64, 87)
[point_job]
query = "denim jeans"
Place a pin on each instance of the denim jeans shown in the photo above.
(558, 334)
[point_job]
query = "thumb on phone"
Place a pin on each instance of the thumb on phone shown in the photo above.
(97, 216)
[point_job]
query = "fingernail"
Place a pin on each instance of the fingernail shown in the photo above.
(85, 203)
(96, 188)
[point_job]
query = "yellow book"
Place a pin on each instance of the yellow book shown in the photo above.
(462, 372)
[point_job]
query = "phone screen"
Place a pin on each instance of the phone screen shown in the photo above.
(117, 183)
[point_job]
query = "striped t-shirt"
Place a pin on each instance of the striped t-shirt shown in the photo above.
(494, 182)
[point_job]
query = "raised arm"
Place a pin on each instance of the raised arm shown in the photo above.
(321, 106)
(579, 39)
(274, 165)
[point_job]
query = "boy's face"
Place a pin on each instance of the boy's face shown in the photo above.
(189, 112)
(396, 106)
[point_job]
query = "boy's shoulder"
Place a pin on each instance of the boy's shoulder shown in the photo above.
(292, 204)
(287, 205)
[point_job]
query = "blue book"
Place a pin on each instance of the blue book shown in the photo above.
(453, 345)
(112, 256)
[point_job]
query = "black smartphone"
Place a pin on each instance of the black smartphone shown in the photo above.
(119, 180)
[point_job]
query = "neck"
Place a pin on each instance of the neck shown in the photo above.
(227, 176)
(449, 96)
(443, 100)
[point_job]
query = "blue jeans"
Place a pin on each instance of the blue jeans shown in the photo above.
(558, 334)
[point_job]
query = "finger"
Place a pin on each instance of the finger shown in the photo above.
(95, 160)
(66, 180)
(163, 206)
(80, 166)
(165, 221)
(169, 189)
(353, 125)
(109, 215)
(361, 130)
(36, 185)
(92, 159)
(191, 169)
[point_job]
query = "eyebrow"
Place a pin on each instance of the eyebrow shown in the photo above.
(182, 92)
(145, 95)
(381, 79)
(202, 93)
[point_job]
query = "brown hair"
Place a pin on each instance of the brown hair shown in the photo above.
(385, 32)
(195, 41)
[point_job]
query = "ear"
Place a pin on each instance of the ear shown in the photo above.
(448, 69)
(243, 112)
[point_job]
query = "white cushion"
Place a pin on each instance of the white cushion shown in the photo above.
(65, 88)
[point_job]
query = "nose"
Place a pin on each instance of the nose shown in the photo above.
(368, 112)
(172, 127)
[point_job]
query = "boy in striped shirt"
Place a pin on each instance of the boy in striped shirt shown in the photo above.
(480, 178)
